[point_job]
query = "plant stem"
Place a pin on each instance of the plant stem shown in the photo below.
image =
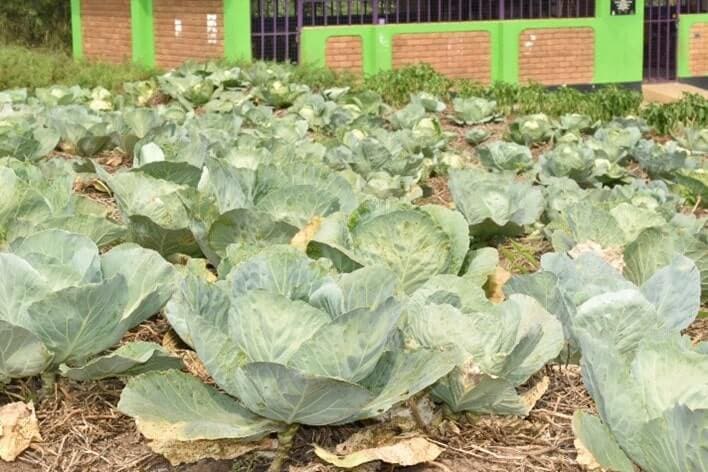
(48, 382)
(417, 417)
(285, 440)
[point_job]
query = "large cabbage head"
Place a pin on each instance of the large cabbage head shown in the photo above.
(505, 156)
(415, 243)
(495, 203)
(531, 129)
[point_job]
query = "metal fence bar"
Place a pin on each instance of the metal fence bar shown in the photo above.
(276, 24)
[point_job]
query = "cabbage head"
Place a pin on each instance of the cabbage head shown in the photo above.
(505, 156)
(531, 129)
(474, 111)
(495, 203)
(415, 243)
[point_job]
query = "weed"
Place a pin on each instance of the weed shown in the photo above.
(691, 111)
(32, 68)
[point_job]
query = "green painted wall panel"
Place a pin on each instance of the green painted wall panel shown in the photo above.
(684, 42)
(143, 32)
(77, 35)
(237, 30)
(619, 42)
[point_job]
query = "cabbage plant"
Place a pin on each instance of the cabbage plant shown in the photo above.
(476, 135)
(62, 303)
(391, 164)
(652, 403)
(576, 123)
(531, 129)
(82, 131)
(430, 102)
(293, 344)
(661, 160)
(41, 196)
(644, 376)
(495, 203)
(24, 140)
(589, 293)
(408, 116)
(693, 139)
(500, 346)
(505, 156)
(474, 111)
(415, 243)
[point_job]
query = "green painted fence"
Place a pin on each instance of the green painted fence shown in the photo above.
(619, 42)
(237, 31)
(686, 23)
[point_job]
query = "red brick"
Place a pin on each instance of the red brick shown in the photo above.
(557, 56)
(445, 53)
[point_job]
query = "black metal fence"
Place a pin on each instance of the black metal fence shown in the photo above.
(276, 23)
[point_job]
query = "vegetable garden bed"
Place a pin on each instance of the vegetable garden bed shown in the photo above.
(229, 269)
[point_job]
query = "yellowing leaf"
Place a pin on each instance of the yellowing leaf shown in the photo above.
(534, 394)
(305, 235)
(405, 452)
(18, 428)
(188, 452)
(495, 284)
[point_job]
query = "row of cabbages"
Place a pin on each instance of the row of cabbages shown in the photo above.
(336, 298)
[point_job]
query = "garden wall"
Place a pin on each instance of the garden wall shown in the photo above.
(188, 29)
(465, 55)
(555, 56)
(600, 50)
(693, 46)
(161, 33)
(106, 30)
(344, 53)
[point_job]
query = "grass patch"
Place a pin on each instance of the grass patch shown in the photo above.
(22, 67)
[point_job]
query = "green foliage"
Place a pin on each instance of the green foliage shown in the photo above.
(396, 86)
(691, 110)
(24, 67)
(605, 103)
(36, 23)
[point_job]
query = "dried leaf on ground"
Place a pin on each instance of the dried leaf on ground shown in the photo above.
(614, 256)
(18, 428)
(404, 452)
(534, 394)
(188, 452)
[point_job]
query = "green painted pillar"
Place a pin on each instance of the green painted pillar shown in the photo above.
(383, 49)
(77, 36)
(143, 32)
(237, 30)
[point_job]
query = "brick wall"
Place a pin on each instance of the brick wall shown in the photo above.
(188, 29)
(557, 56)
(343, 53)
(459, 55)
(106, 30)
(698, 50)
